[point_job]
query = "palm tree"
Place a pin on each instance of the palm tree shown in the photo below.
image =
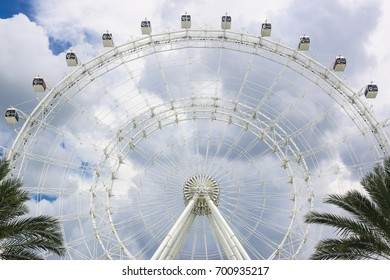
(365, 232)
(23, 237)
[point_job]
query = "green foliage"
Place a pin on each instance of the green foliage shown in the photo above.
(23, 237)
(365, 233)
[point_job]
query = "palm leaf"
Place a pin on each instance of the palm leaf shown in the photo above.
(352, 248)
(40, 233)
(4, 169)
(364, 233)
(377, 185)
(12, 199)
(24, 237)
(362, 209)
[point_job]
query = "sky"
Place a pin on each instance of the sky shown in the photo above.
(38, 34)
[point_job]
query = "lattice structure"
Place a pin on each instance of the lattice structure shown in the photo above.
(193, 144)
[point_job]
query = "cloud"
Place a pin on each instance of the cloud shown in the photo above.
(20, 64)
(35, 58)
(86, 159)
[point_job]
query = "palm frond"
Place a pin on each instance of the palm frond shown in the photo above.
(365, 231)
(35, 233)
(352, 248)
(343, 225)
(12, 253)
(23, 237)
(362, 209)
(4, 169)
(12, 199)
(377, 185)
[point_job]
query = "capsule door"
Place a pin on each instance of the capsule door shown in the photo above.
(266, 29)
(339, 63)
(226, 22)
(39, 84)
(11, 116)
(107, 40)
(71, 59)
(304, 43)
(146, 27)
(371, 91)
(186, 21)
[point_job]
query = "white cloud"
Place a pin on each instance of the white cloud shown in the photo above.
(25, 54)
(377, 47)
(88, 124)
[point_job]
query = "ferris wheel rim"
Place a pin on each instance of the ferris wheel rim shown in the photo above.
(147, 42)
(273, 144)
(291, 54)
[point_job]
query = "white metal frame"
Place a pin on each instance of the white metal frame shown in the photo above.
(223, 110)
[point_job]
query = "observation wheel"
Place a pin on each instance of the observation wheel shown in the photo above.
(194, 144)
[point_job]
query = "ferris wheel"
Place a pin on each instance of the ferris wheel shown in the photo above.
(194, 144)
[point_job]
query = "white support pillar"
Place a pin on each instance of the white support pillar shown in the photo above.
(221, 238)
(198, 190)
(231, 238)
(180, 239)
(165, 247)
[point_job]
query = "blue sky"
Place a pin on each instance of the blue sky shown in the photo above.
(40, 32)
(8, 8)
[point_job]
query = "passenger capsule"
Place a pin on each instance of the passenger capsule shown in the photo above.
(146, 27)
(226, 22)
(107, 40)
(371, 91)
(266, 29)
(71, 59)
(39, 84)
(304, 43)
(186, 21)
(339, 63)
(11, 116)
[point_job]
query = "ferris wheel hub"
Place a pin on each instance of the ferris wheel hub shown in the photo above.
(203, 185)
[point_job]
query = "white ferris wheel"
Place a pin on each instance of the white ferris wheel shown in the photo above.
(194, 144)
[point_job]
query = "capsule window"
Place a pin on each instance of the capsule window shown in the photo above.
(266, 29)
(226, 22)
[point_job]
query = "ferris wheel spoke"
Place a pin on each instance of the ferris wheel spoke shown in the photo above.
(213, 157)
(218, 74)
(163, 75)
(265, 240)
(226, 154)
(137, 85)
(270, 90)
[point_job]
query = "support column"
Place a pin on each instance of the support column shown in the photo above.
(226, 232)
(201, 195)
(167, 244)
